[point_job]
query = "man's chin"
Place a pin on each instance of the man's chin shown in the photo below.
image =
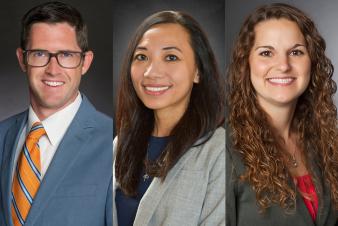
(50, 105)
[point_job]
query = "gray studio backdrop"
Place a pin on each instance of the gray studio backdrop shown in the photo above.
(323, 13)
(97, 84)
(128, 14)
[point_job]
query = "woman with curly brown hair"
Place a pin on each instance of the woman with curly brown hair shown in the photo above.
(282, 147)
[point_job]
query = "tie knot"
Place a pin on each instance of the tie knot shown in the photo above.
(37, 131)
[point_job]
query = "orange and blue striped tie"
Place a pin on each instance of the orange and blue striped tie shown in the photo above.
(27, 176)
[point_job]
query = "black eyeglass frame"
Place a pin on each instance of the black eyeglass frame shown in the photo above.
(26, 51)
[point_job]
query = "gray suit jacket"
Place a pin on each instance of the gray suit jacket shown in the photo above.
(241, 204)
(76, 190)
(193, 192)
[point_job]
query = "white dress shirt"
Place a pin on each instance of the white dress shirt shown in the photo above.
(55, 126)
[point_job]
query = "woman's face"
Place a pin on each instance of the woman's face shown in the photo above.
(163, 69)
(279, 61)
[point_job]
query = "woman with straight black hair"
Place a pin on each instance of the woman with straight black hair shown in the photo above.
(169, 164)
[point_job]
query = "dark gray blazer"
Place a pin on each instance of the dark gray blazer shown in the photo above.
(242, 210)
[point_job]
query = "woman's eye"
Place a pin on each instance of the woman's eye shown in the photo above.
(296, 52)
(140, 57)
(266, 53)
(171, 58)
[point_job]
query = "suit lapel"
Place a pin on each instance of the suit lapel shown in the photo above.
(72, 144)
(10, 145)
(155, 192)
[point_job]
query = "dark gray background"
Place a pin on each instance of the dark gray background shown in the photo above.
(128, 14)
(97, 83)
(324, 13)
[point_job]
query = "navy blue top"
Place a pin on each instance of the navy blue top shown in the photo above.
(126, 207)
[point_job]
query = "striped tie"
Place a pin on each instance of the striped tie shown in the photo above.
(27, 176)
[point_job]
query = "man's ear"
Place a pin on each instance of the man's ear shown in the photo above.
(21, 60)
(87, 61)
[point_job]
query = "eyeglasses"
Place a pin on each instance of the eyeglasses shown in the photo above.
(40, 58)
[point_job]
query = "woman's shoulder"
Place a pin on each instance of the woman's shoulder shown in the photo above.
(219, 136)
(234, 162)
(207, 154)
(115, 141)
(213, 140)
(114, 147)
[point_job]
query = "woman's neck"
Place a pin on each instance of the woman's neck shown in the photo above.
(281, 118)
(165, 121)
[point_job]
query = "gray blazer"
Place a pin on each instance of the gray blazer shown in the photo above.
(242, 209)
(193, 192)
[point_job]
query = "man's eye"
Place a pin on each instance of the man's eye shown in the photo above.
(140, 57)
(66, 54)
(39, 53)
(171, 58)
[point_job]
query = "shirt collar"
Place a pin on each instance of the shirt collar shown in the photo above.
(57, 123)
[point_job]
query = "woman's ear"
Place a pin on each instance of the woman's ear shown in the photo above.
(197, 77)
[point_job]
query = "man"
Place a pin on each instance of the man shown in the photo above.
(56, 157)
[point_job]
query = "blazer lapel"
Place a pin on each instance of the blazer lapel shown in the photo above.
(72, 144)
(153, 195)
(303, 211)
(10, 145)
(324, 207)
(323, 198)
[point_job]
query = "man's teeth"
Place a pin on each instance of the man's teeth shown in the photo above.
(52, 83)
(156, 89)
(281, 80)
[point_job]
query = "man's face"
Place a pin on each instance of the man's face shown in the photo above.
(53, 87)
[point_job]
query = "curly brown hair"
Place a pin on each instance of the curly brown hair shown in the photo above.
(314, 120)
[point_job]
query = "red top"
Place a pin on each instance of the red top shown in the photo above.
(308, 191)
